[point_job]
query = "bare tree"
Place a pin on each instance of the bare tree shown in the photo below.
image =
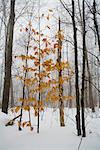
(83, 74)
(88, 90)
(72, 15)
(76, 71)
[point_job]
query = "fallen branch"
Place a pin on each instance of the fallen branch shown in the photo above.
(11, 122)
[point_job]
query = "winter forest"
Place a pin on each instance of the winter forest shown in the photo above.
(50, 74)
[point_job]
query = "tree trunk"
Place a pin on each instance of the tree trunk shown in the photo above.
(76, 73)
(96, 24)
(91, 102)
(86, 104)
(70, 93)
(24, 86)
(39, 46)
(83, 75)
(61, 106)
(98, 79)
(8, 58)
(11, 93)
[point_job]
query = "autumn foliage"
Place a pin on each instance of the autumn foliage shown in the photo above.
(41, 75)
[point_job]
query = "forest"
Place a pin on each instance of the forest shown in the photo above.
(50, 74)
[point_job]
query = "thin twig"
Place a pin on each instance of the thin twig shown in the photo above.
(80, 143)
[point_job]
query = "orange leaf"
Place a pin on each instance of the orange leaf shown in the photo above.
(35, 48)
(17, 109)
(36, 113)
(48, 17)
(28, 124)
(36, 63)
(33, 30)
(56, 45)
(23, 124)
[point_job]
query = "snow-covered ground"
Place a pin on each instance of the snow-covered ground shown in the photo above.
(51, 136)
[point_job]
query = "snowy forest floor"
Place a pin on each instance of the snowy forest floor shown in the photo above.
(51, 136)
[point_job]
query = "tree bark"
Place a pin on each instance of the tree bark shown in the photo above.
(83, 74)
(96, 23)
(90, 101)
(8, 58)
(11, 93)
(61, 107)
(76, 72)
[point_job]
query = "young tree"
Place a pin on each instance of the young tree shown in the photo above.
(39, 81)
(61, 107)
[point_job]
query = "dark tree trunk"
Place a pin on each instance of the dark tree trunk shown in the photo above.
(89, 102)
(39, 96)
(83, 74)
(91, 95)
(96, 23)
(98, 79)
(86, 104)
(76, 73)
(8, 58)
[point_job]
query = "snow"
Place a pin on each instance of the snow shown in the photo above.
(51, 136)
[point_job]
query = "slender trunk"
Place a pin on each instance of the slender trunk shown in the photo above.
(1, 80)
(86, 95)
(70, 93)
(8, 58)
(1, 73)
(25, 76)
(39, 96)
(96, 24)
(11, 93)
(98, 80)
(83, 74)
(61, 107)
(91, 95)
(91, 103)
(76, 72)
(69, 85)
